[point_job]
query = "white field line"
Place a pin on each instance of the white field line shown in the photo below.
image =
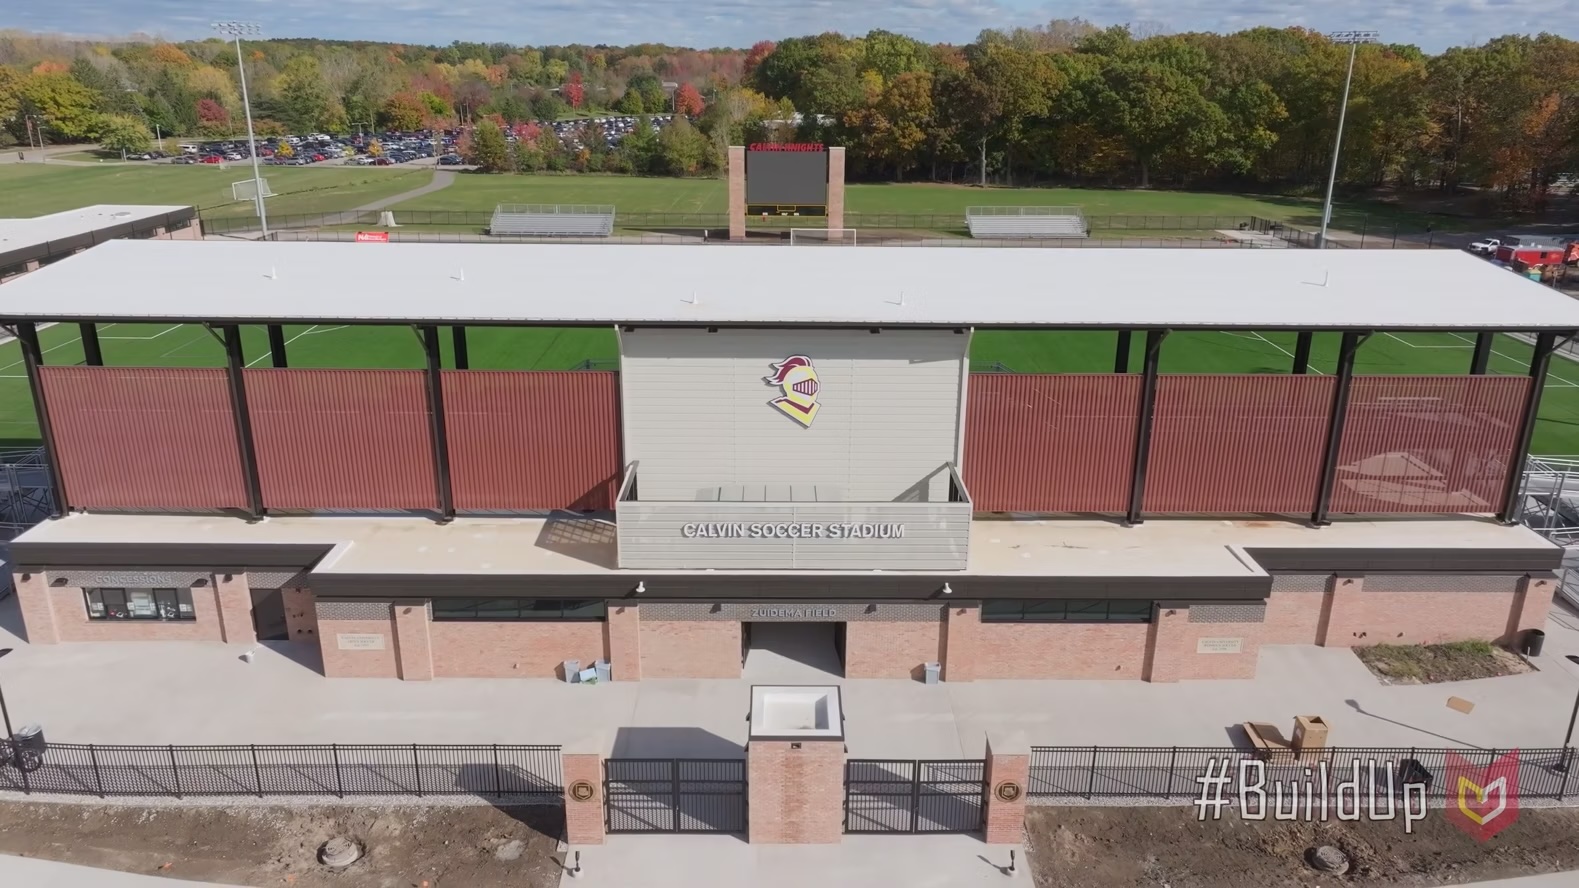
(308, 331)
(1252, 336)
(137, 338)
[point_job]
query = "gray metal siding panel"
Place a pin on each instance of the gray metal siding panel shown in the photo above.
(936, 537)
(1538, 557)
(196, 554)
(696, 411)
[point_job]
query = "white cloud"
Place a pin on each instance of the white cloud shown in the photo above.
(1432, 24)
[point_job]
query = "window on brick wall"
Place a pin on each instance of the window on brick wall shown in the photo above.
(1066, 610)
(139, 604)
(494, 609)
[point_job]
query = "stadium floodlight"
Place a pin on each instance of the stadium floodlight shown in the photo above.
(237, 30)
(1353, 39)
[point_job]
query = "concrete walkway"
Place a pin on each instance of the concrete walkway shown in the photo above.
(34, 873)
(441, 179)
(122, 692)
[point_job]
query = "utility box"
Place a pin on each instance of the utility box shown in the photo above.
(1310, 732)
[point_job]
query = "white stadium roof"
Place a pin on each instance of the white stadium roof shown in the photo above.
(17, 233)
(574, 284)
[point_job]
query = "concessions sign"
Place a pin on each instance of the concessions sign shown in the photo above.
(372, 237)
(787, 146)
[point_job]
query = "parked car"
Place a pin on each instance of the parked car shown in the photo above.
(1486, 246)
(381, 161)
(450, 160)
(212, 158)
(185, 158)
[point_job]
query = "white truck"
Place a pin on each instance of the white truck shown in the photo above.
(1486, 246)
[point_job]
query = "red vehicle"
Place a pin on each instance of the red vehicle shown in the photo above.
(1530, 254)
(213, 158)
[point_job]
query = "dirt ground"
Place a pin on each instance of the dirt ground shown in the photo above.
(436, 847)
(1077, 847)
(1433, 663)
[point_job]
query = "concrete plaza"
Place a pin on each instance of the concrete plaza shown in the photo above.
(195, 693)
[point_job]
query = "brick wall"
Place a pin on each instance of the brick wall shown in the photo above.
(1188, 663)
(891, 650)
(692, 649)
(584, 824)
(961, 640)
(413, 647)
(234, 599)
(38, 609)
(512, 650)
(72, 623)
(1005, 820)
(1294, 609)
(1533, 604)
(1060, 650)
(796, 795)
(301, 614)
(339, 663)
(1419, 610)
(622, 641)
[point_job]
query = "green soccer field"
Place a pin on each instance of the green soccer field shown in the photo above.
(528, 348)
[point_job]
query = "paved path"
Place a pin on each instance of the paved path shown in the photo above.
(441, 179)
(35, 873)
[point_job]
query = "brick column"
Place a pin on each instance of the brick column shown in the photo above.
(796, 791)
(1163, 643)
(38, 613)
(584, 821)
(1007, 779)
(233, 602)
(1530, 605)
(835, 187)
(301, 614)
(413, 649)
(622, 641)
(1338, 612)
(737, 192)
(961, 641)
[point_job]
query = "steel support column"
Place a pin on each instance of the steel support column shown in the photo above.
(1335, 420)
(1302, 352)
(92, 355)
(1481, 357)
(458, 340)
(441, 438)
(1121, 353)
(277, 345)
(1148, 408)
(33, 359)
(235, 364)
(1545, 344)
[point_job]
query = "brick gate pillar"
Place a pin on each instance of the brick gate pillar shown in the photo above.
(796, 791)
(622, 641)
(961, 642)
(233, 601)
(583, 779)
(1006, 784)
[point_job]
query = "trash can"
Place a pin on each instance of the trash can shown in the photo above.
(1534, 640)
(572, 669)
(1411, 771)
(933, 671)
(29, 748)
(605, 671)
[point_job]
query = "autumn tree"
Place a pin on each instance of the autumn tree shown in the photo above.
(304, 100)
(574, 91)
(402, 113)
(65, 109)
(488, 150)
(119, 132)
(688, 101)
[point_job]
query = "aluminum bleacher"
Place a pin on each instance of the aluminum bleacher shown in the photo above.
(552, 220)
(1025, 222)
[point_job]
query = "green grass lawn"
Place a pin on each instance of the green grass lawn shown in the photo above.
(36, 189)
(498, 348)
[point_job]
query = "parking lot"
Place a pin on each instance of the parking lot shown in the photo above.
(390, 148)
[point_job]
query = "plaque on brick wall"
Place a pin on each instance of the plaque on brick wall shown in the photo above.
(359, 641)
(1219, 645)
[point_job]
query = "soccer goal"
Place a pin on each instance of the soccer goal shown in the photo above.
(822, 237)
(244, 189)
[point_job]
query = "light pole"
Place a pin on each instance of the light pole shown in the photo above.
(237, 30)
(1353, 39)
(1562, 765)
(4, 714)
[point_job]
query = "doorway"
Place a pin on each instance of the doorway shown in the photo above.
(793, 653)
(268, 615)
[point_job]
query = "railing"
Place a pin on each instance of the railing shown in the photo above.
(524, 774)
(1164, 772)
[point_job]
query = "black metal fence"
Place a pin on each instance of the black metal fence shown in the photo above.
(675, 795)
(1176, 772)
(521, 774)
(908, 796)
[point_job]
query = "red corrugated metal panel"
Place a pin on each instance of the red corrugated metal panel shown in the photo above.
(342, 439)
(1050, 443)
(1237, 444)
(145, 438)
(1428, 443)
(533, 440)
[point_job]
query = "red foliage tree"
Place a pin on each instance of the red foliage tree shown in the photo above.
(759, 51)
(688, 101)
(526, 131)
(210, 111)
(574, 92)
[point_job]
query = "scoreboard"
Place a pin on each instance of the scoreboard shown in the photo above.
(787, 178)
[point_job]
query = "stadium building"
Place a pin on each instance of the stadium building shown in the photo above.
(794, 461)
(29, 244)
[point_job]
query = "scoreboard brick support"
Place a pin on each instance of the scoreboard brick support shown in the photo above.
(835, 188)
(737, 192)
(833, 210)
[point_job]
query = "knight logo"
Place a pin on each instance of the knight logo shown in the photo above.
(797, 381)
(1482, 800)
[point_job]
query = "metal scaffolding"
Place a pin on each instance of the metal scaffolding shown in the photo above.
(25, 495)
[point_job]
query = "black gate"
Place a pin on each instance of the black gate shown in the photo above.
(675, 795)
(899, 796)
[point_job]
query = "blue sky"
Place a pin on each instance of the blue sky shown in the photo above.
(1432, 24)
